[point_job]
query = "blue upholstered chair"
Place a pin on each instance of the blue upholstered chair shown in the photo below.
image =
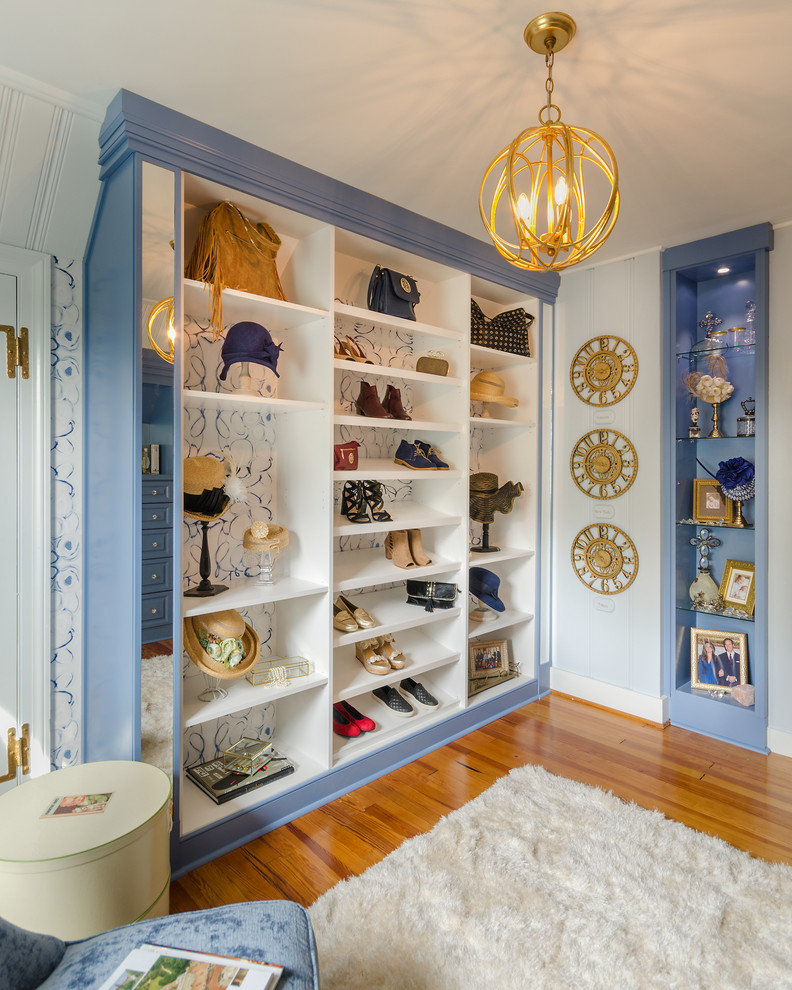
(269, 931)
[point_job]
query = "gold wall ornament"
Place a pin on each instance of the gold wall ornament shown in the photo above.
(161, 331)
(603, 464)
(603, 370)
(605, 559)
(550, 199)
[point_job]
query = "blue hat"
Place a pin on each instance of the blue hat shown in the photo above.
(484, 586)
(249, 342)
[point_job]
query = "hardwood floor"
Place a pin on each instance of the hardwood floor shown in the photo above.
(742, 797)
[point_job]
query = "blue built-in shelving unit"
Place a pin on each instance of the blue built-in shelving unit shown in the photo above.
(693, 287)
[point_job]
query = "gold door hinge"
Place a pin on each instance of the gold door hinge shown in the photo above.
(16, 351)
(18, 753)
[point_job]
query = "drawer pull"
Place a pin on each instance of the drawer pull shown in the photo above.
(153, 611)
(153, 577)
(154, 515)
(155, 544)
(153, 491)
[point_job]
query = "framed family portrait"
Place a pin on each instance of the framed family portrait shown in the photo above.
(737, 586)
(718, 659)
(710, 504)
(489, 659)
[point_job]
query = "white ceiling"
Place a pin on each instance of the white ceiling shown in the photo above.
(411, 100)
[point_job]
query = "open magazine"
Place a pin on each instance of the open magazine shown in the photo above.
(157, 967)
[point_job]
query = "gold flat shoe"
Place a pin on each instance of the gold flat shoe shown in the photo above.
(343, 621)
(360, 616)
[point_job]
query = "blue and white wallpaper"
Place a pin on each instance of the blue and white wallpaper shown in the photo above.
(66, 521)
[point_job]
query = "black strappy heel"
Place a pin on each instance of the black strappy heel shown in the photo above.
(353, 502)
(372, 493)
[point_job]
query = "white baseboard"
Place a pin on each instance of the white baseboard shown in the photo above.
(779, 742)
(610, 695)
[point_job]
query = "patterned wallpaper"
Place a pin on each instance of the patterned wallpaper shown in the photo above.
(66, 521)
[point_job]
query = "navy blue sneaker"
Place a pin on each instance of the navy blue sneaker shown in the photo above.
(431, 453)
(416, 693)
(412, 455)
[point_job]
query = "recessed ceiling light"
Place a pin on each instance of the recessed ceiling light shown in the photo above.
(724, 271)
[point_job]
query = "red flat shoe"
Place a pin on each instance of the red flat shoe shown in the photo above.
(342, 725)
(363, 722)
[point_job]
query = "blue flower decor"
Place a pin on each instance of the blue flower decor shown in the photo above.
(737, 478)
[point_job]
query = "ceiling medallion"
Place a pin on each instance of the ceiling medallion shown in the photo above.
(604, 370)
(603, 464)
(605, 559)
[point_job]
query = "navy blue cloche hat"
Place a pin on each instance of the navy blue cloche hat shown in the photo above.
(484, 586)
(249, 342)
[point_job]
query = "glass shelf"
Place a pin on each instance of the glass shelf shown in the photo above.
(741, 617)
(739, 350)
(709, 524)
(721, 439)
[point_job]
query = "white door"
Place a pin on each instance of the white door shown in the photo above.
(24, 511)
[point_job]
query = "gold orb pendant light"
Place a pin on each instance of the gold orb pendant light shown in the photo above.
(550, 199)
(161, 331)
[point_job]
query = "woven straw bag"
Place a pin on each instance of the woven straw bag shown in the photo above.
(232, 252)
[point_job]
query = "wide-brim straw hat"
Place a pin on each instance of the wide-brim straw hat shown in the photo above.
(486, 386)
(265, 536)
(205, 497)
(227, 624)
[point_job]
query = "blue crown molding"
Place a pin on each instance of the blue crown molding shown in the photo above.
(135, 125)
(720, 247)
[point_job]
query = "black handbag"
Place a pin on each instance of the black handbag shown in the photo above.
(505, 332)
(431, 594)
(393, 293)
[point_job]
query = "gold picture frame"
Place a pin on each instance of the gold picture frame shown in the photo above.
(710, 505)
(490, 659)
(737, 586)
(710, 667)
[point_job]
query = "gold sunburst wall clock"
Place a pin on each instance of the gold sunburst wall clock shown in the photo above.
(604, 464)
(604, 370)
(605, 559)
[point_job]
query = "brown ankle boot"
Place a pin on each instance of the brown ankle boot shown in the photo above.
(393, 403)
(368, 403)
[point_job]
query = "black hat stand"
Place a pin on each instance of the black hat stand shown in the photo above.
(205, 588)
(485, 543)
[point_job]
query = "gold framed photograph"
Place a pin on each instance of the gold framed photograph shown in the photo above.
(718, 659)
(490, 659)
(737, 586)
(710, 505)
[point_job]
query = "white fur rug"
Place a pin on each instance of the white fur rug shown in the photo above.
(542, 882)
(156, 712)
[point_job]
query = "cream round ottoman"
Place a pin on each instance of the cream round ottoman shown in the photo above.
(77, 874)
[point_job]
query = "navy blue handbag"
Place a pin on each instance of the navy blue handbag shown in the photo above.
(392, 293)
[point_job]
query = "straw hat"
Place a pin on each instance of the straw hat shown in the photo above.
(265, 536)
(221, 634)
(486, 386)
(486, 498)
(205, 497)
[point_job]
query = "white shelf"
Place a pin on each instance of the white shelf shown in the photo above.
(390, 727)
(198, 397)
(511, 617)
(390, 611)
(354, 314)
(406, 515)
(486, 357)
(198, 810)
(421, 654)
(492, 422)
(241, 695)
(382, 469)
(407, 374)
(245, 592)
(239, 306)
(505, 553)
(364, 568)
(425, 425)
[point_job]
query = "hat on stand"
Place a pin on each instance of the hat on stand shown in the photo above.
(486, 498)
(249, 342)
(221, 644)
(484, 584)
(205, 497)
(265, 536)
(486, 386)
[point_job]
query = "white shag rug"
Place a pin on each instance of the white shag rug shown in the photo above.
(156, 712)
(542, 882)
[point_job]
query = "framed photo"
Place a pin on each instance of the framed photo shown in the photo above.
(718, 660)
(737, 586)
(710, 504)
(489, 659)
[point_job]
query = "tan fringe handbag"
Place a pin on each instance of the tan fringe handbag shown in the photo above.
(232, 252)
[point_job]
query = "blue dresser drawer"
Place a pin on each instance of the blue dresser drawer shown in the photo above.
(156, 574)
(157, 543)
(156, 488)
(156, 516)
(155, 608)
